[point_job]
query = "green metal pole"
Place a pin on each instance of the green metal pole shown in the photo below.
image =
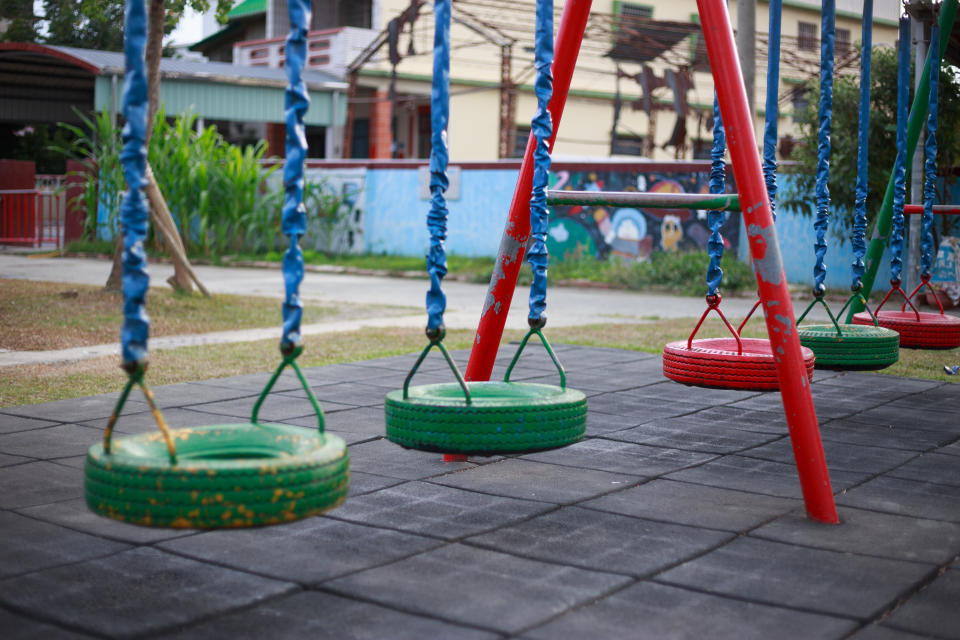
(918, 115)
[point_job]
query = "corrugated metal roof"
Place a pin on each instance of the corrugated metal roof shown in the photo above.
(247, 8)
(111, 62)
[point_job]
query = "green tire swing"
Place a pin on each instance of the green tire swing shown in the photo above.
(229, 475)
(835, 345)
(486, 418)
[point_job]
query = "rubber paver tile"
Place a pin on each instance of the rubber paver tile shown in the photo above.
(479, 587)
(705, 395)
(252, 383)
(694, 435)
(188, 393)
(629, 404)
(933, 610)
(74, 514)
(602, 541)
(349, 393)
(436, 510)
(620, 457)
(893, 437)
(951, 450)
(761, 476)
(870, 533)
(931, 467)
(307, 551)
(905, 497)
(54, 442)
(382, 457)
(361, 483)
(530, 480)
(840, 456)
(276, 407)
(41, 482)
(694, 504)
(910, 416)
(857, 381)
(743, 419)
(604, 423)
(78, 409)
(650, 611)
(11, 423)
(30, 545)
(18, 627)
(144, 422)
(324, 616)
(831, 582)
(135, 592)
(9, 461)
(877, 632)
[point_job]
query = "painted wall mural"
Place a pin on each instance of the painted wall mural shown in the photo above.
(632, 233)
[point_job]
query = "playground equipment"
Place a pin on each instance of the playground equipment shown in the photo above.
(773, 290)
(232, 475)
(845, 346)
(918, 329)
(486, 417)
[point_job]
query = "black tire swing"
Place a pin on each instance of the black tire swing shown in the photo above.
(917, 329)
(486, 418)
(845, 346)
(231, 475)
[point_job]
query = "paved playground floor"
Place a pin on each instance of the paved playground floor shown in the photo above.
(678, 517)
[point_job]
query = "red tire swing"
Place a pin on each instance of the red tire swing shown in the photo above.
(228, 475)
(845, 346)
(725, 363)
(486, 418)
(917, 329)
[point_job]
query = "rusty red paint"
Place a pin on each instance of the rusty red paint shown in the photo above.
(517, 230)
(774, 293)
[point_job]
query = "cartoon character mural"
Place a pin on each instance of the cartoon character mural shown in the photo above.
(632, 233)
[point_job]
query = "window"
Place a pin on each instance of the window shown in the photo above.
(702, 149)
(842, 42)
(800, 98)
(631, 10)
(521, 135)
(807, 36)
(627, 145)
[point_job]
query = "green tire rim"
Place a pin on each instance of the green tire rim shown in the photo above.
(232, 475)
(502, 417)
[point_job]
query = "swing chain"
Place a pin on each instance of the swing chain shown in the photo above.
(135, 370)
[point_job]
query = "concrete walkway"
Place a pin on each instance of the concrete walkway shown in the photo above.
(567, 306)
(679, 516)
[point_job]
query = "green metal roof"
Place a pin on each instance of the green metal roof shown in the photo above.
(247, 8)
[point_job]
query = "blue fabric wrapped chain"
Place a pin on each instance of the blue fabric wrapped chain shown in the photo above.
(822, 221)
(294, 223)
(930, 159)
(900, 164)
(439, 118)
(542, 128)
(858, 241)
(717, 186)
(133, 210)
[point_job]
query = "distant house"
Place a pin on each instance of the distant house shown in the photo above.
(49, 84)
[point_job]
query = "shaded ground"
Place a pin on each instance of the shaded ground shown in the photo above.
(678, 517)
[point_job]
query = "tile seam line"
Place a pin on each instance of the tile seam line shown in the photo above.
(907, 594)
(54, 623)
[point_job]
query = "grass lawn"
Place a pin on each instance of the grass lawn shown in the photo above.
(42, 383)
(42, 316)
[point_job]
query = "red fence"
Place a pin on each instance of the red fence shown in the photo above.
(31, 217)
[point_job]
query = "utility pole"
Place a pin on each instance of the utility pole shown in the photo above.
(747, 47)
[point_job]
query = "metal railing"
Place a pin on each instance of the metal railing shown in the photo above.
(32, 217)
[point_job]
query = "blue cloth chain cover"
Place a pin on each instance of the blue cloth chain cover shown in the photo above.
(900, 164)
(772, 105)
(294, 223)
(930, 153)
(439, 118)
(542, 127)
(858, 242)
(822, 221)
(717, 185)
(133, 210)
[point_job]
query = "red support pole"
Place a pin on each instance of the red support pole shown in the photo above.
(767, 264)
(513, 244)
